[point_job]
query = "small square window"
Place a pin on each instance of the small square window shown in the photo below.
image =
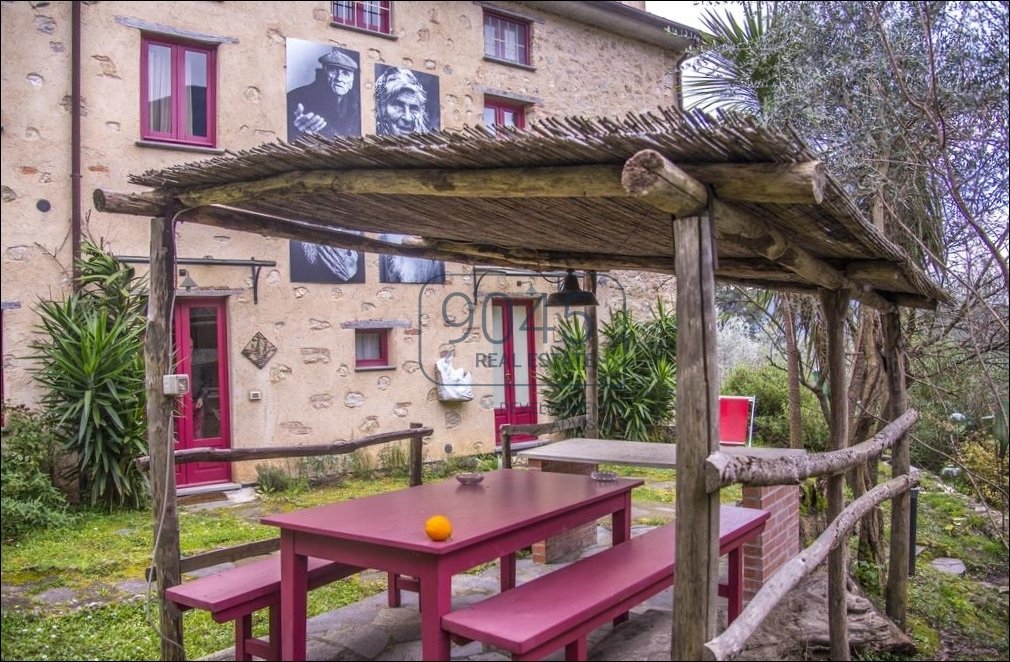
(371, 348)
(371, 16)
(504, 113)
(177, 92)
(506, 38)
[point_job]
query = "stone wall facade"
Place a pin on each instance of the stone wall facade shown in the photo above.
(309, 391)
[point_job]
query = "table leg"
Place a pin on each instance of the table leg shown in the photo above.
(620, 531)
(507, 568)
(735, 594)
(294, 591)
(435, 601)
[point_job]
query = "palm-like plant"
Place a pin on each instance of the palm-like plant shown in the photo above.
(90, 365)
(737, 69)
(636, 373)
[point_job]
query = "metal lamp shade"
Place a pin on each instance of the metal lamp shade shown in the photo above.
(571, 294)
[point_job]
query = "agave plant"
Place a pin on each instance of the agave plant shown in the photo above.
(636, 373)
(90, 366)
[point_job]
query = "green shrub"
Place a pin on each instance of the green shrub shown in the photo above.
(981, 456)
(637, 375)
(394, 458)
(271, 479)
(28, 498)
(90, 366)
(770, 387)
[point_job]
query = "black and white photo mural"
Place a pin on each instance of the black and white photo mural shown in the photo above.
(406, 101)
(323, 98)
(399, 269)
(324, 90)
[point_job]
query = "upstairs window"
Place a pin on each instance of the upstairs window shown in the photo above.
(178, 82)
(506, 39)
(371, 16)
(504, 113)
(371, 348)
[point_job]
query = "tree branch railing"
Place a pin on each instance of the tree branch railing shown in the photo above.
(415, 434)
(506, 431)
(722, 469)
(728, 644)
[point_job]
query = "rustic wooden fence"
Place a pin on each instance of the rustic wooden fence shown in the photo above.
(415, 434)
(723, 470)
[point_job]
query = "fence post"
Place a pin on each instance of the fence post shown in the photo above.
(416, 456)
(505, 431)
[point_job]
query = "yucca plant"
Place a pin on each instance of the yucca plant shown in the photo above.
(636, 375)
(89, 361)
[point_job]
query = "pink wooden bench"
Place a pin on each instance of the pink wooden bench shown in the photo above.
(561, 608)
(234, 594)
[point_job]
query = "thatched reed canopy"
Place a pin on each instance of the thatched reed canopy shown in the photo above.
(593, 194)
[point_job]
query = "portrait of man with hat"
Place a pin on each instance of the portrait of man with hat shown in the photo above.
(331, 104)
(323, 98)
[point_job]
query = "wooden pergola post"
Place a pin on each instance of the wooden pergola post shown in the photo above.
(897, 403)
(695, 592)
(592, 361)
(160, 439)
(835, 305)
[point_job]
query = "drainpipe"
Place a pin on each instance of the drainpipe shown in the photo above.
(75, 139)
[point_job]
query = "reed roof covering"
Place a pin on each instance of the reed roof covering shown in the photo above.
(578, 224)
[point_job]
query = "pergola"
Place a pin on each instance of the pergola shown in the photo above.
(699, 197)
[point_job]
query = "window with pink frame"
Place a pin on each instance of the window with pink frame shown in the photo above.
(177, 92)
(506, 38)
(371, 16)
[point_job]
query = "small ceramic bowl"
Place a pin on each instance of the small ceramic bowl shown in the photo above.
(470, 478)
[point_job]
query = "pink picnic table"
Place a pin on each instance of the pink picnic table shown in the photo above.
(508, 511)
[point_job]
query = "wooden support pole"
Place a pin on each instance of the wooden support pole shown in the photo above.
(697, 551)
(899, 561)
(592, 361)
(417, 454)
(160, 437)
(836, 306)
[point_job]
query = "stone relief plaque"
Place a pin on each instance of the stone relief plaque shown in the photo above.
(259, 350)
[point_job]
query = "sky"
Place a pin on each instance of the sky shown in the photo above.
(685, 12)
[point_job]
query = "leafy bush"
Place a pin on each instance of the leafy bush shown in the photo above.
(271, 479)
(28, 498)
(637, 375)
(980, 456)
(770, 387)
(90, 365)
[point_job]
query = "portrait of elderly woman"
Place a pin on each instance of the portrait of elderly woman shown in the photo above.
(405, 101)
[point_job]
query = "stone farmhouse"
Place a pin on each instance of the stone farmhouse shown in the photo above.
(285, 342)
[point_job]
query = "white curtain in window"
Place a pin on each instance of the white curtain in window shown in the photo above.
(159, 88)
(367, 346)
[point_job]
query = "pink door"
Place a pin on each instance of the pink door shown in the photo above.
(203, 421)
(513, 327)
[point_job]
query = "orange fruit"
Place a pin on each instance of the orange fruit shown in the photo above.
(438, 527)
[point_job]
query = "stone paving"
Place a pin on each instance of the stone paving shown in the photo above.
(370, 630)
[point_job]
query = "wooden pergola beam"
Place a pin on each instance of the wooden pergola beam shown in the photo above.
(652, 178)
(744, 182)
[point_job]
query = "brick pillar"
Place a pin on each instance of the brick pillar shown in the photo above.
(568, 545)
(779, 541)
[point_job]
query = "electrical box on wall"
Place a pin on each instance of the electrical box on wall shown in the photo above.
(175, 384)
(255, 395)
